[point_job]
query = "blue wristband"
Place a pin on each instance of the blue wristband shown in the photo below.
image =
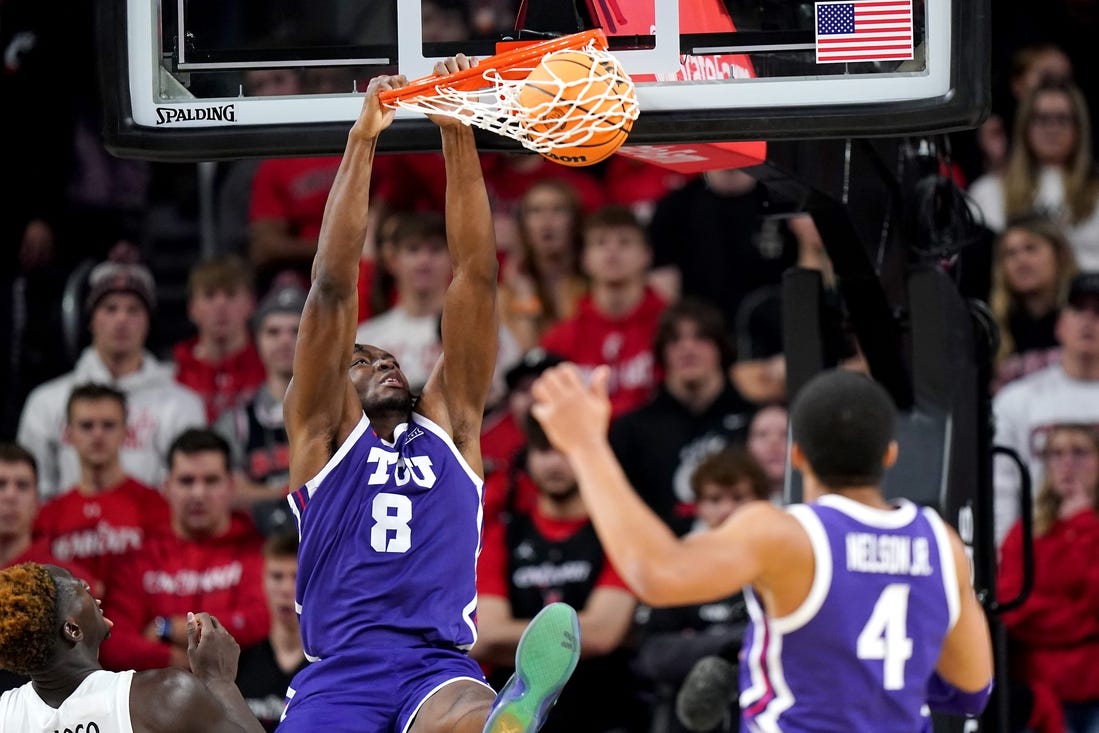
(943, 697)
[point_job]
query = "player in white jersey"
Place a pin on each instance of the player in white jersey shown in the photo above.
(863, 614)
(51, 628)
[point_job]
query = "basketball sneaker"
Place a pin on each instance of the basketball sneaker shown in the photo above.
(545, 659)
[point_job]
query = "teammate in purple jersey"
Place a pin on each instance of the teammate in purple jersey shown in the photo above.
(389, 507)
(864, 617)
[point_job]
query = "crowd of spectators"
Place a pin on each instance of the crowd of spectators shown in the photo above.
(158, 471)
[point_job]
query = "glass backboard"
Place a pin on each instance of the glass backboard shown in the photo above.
(177, 75)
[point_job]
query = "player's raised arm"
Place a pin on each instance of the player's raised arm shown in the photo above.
(660, 568)
(455, 394)
(321, 407)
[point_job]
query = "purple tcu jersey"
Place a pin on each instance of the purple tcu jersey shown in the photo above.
(858, 653)
(389, 541)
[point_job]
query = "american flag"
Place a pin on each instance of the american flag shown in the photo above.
(864, 30)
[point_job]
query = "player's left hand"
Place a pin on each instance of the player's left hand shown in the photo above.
(461, 62)
(574, 415)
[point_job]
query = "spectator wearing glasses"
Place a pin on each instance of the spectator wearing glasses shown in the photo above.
(1055, 632)
(1050, 169)
(1031, 65)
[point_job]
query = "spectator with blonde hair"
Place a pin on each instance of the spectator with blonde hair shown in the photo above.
(1033, 265)
(1050, 169)
(1031, 65)
(1056, 630)
(542, 283)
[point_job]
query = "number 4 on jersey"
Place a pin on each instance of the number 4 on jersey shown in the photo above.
(884, 635)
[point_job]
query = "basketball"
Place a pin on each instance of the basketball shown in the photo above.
(583, 105)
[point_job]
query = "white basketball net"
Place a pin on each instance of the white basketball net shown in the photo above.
(597, 104)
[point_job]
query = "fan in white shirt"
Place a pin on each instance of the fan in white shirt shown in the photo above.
(1050, 170)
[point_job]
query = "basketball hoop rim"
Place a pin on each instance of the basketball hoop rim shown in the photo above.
(473, 78)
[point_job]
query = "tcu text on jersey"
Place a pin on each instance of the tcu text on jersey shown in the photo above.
(402, 470)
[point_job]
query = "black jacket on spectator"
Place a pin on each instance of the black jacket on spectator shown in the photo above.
(723, 246)
(263, 684)
(662, 442)
(543, 570)
(672, 640)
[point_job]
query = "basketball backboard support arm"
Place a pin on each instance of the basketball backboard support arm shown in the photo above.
(935, 361)
(818, 178)
(946, 89)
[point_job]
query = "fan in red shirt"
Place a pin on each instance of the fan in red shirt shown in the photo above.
(220, 362)
(211, 559)
(1055, 632)
(616, 323)
(284, 214)
(18, 507)
(107, 513)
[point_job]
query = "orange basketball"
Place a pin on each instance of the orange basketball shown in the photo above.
(585, 106)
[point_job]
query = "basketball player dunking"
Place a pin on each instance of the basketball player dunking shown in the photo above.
(389, 509)
(862, 612)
